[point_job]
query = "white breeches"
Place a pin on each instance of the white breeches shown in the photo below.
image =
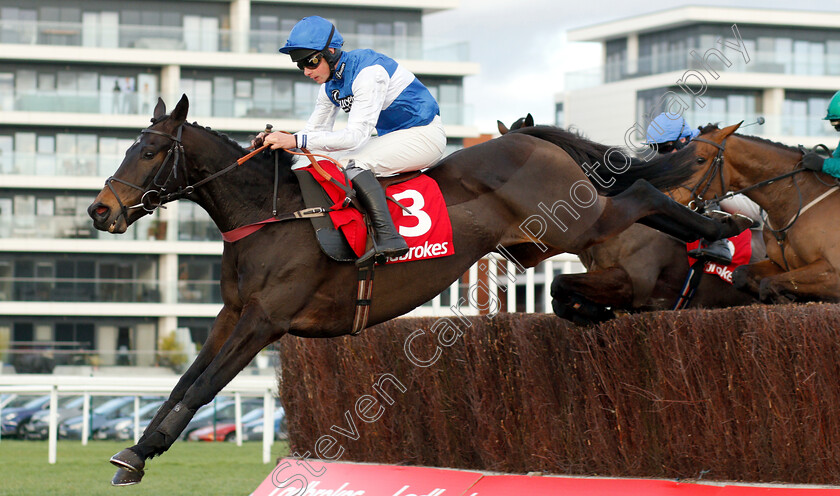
(400, 151)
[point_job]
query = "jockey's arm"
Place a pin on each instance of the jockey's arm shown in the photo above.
(832, 165)
(369, 90)
(740, 204)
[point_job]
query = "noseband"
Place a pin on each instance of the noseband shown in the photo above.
(154, 193)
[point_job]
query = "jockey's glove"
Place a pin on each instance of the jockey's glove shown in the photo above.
(813, 161)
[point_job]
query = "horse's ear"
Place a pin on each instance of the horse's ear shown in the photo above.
(160, 109)
(502, 128)
(729, 130)
(179, 114)
(529, 121)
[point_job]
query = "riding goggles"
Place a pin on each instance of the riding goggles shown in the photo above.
(667, 147)
(311, 61)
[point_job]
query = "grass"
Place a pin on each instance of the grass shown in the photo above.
(188, 468)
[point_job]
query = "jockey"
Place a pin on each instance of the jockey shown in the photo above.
(668, 133)
(378, 95)
(813, 160)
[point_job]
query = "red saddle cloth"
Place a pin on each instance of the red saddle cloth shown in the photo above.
(427, 229)
(740, 245)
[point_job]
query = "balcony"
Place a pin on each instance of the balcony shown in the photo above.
(213, 40)
(776, 125)
(101, 290)
(133, 103)
(817, 64)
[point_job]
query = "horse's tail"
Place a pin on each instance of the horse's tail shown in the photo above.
(612, 169)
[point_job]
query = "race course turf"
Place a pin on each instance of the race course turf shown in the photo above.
(188, 468)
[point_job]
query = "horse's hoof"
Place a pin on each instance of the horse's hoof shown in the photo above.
(128, 460)
(125, 477)
(737, 223)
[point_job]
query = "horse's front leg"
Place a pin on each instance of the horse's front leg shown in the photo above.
(817, 281)
(252, 332)
(222, 327)
(748, 278)
(646, 205)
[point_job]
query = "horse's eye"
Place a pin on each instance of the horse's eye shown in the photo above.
(701, 160)
(148, 155)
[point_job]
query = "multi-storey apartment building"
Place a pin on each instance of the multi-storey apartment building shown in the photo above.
(79, 79)
(713, 64)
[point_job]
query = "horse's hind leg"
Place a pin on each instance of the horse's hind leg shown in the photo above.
(583, 298)
(645, 204)
(253, 332)
(222, 327)
(818, 281)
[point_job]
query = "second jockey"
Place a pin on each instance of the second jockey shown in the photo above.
(668, 133)
(378, 95)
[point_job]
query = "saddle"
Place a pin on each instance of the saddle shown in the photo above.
(340, 244)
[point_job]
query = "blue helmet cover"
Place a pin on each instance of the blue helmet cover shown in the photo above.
(312, 33)
(669, 127)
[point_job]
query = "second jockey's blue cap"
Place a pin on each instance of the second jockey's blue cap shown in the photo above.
(669, 127)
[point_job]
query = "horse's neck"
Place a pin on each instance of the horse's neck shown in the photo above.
(243, 195)
(780, 199)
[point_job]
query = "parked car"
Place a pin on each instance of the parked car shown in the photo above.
(224, 413)
(253, 431)
(19, 411)
(114, 408)
(224, 431)
(122, 428)
(38, 426)
(6, 398)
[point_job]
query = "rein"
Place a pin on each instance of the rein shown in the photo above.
(155, 195)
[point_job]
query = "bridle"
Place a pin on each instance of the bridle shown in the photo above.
(715, 168)
(154, 193)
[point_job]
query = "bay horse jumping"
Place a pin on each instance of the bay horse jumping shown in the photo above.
(803, 241)
(277, 281)
(640, 269)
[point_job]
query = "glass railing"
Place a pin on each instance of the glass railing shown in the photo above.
(760, 62)
(775, 125)
(106, 102)
(56, 289)
(77, 226)
(85, 102)
(59, 164)
(213, 40)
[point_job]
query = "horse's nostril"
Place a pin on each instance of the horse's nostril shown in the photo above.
(101, 210)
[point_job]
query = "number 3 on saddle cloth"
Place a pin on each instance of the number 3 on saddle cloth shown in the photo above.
(740, 245)
(426, 229)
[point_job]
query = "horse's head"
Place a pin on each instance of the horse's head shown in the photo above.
(711, 179)
(148, 172)
(527, 121)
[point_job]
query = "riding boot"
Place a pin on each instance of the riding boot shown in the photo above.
(386, 241)
(716, 251)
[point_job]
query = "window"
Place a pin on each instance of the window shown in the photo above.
(79, 336)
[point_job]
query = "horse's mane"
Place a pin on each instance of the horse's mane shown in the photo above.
(715, 127)
(222, 136)
(662, 171)
(286, 159)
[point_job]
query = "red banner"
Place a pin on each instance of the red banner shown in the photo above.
(305, 477)
(294, 477)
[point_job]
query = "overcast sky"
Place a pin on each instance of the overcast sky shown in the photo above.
(521, 46)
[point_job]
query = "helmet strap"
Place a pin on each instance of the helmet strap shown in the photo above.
(331, 58)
